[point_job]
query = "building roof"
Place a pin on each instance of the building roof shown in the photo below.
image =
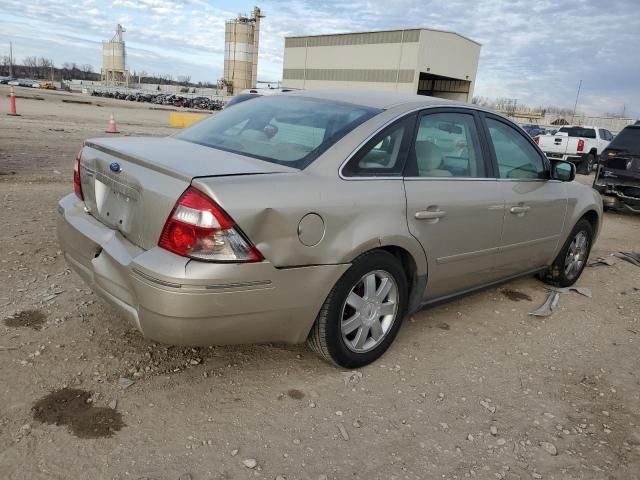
(381, 31)
(372, 98)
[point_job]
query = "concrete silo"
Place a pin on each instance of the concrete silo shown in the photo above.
(241, 39)
(114, 67)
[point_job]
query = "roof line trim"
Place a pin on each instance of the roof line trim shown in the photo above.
(389, 30)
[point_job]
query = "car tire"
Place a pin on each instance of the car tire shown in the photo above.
(587, 164)
(572, 258)
(331, 335)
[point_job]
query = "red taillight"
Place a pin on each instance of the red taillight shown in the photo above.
(536, 139)
(580, 145)
(199, 228)
(77, 186)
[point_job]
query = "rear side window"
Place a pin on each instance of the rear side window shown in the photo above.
(628, 140)
(516, 157)
(578, 132)
(384, 154)
(288, 130)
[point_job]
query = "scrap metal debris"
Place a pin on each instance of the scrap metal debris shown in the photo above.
(631, 257)
(602, 261)
(546, 309)
(125, 383)
(581, 290)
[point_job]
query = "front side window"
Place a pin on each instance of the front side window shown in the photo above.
(288, 130)
(447, 145)
(516, 157)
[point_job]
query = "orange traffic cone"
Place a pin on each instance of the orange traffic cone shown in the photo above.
(111, 126)
(12, 103)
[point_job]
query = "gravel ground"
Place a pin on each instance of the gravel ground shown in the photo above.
(475, 388)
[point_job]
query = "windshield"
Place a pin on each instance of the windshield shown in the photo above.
(628, 139)
(578, 132)
(291, 131)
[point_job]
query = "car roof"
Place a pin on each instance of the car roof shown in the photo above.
(373, 99)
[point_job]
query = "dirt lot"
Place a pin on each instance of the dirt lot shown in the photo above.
(474, 388)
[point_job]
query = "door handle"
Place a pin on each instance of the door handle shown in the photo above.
(430, 214)
(519, 210)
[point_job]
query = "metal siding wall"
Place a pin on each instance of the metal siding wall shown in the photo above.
(369, 38)
(349, 75)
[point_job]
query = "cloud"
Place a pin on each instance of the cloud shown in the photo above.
(536, 52)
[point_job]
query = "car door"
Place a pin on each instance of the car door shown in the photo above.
(535, 207)
(454, 207)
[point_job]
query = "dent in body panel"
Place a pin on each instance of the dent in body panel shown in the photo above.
(358, 216)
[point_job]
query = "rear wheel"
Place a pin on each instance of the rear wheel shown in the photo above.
(363, 312)
(570, 262)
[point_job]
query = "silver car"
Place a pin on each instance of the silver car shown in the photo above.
(324, 217)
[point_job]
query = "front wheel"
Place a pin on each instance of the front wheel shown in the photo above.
(570, 262)
(362, 314)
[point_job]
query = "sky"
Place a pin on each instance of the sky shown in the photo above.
(534, 51)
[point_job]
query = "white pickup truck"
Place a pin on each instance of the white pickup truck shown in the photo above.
(578, 144)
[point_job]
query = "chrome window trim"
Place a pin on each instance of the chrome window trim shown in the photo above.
(398, 117)
(449, 179)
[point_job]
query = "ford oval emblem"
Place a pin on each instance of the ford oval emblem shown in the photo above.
(115, 167)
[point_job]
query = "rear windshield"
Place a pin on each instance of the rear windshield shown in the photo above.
(282, 129)
(628, 139)
(578, 132)
(242, 97)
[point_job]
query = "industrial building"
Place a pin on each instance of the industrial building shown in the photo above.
(241, 41)
(114, 67)
(423, 61)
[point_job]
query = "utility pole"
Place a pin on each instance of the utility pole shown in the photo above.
(575, 106)
(10, 60)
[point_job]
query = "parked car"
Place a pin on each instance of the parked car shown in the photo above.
(533, 130)
(618, 175)
(578, 144)
(324, 217)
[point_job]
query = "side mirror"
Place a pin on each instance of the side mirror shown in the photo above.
(563, 171)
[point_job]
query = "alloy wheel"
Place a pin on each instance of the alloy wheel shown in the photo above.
(369, 311)
(577, 254)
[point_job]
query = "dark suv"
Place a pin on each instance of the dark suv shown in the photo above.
(618, 175)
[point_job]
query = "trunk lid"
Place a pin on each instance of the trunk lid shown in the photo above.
(132, 184)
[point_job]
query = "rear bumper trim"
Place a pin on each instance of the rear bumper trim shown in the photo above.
(155, 280)
(217, 286)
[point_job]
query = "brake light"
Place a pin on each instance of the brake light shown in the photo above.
(77, 186)
(580, 145)
(199, 228)
(537, 139)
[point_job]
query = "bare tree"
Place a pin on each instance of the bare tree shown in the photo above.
(32, 65)
(184, 79)
(43, 67)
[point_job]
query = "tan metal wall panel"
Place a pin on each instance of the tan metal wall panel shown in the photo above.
(350, 75)
(368, 38)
